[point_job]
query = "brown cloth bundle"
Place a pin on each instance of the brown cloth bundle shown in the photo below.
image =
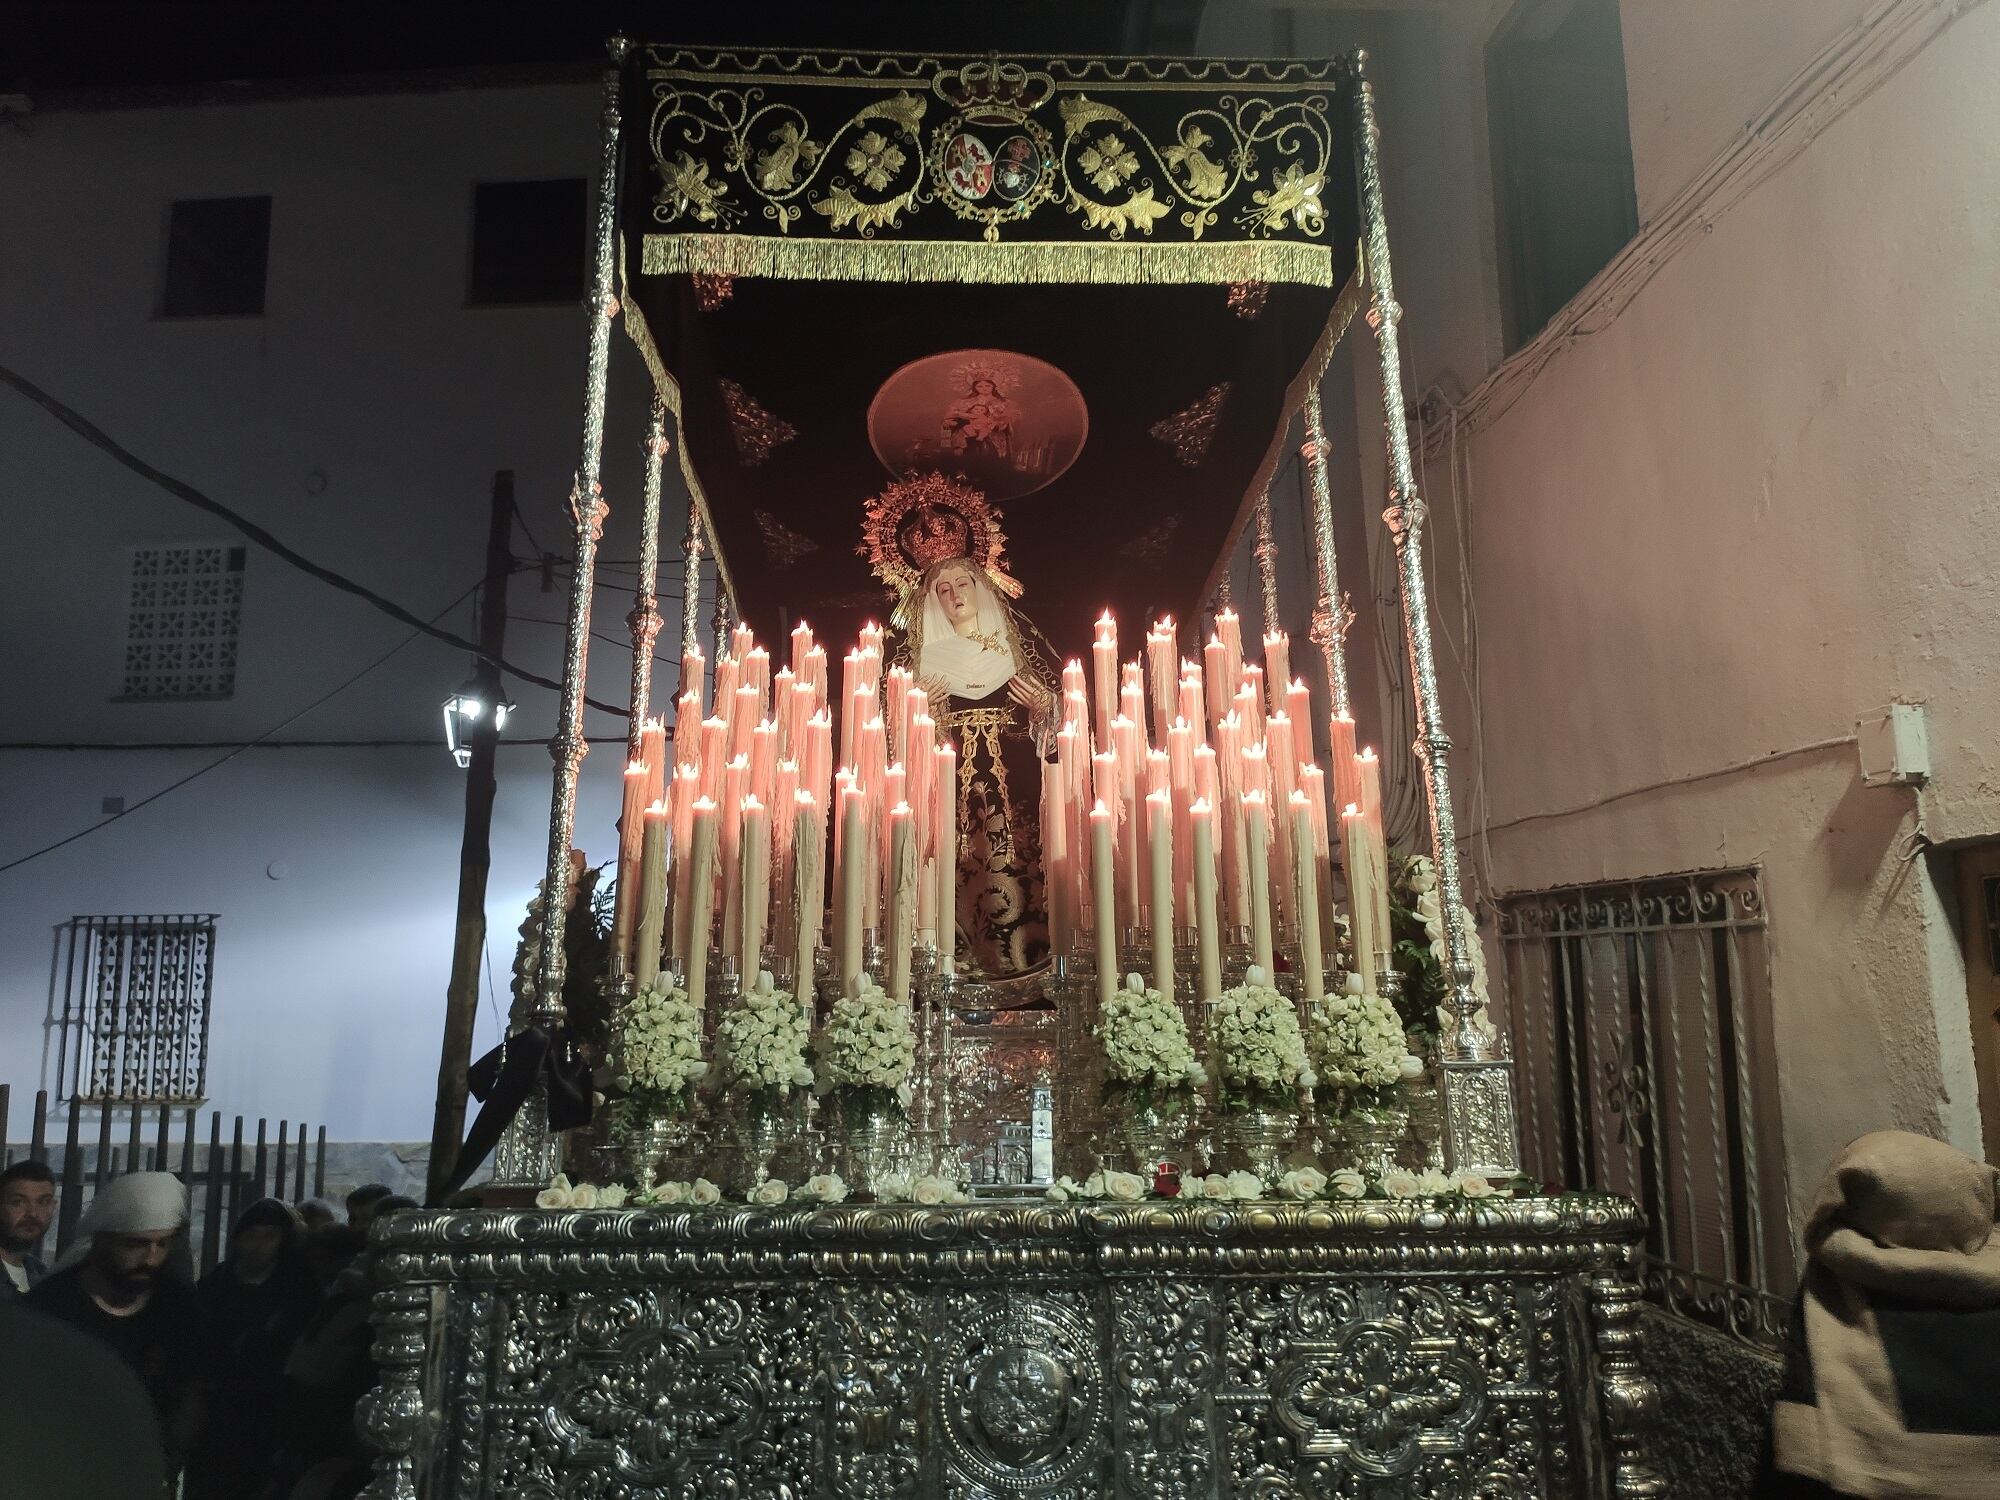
(1895, 1392)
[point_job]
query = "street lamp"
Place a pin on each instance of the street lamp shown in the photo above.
(464, 709)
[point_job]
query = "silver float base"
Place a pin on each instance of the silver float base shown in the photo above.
(1144, 1351)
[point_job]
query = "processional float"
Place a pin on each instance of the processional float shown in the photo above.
(880, 299)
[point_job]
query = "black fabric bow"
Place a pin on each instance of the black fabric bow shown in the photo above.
(502, 1081)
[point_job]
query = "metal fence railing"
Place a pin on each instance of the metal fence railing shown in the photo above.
(100, 1140)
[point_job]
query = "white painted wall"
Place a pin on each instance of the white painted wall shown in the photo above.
(367, 373)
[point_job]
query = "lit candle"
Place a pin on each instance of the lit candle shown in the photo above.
(1208, 948)
(816, 675)
(1305, 897)
(1160, 846)
(784, 709)
(1102, 902)
(1215, 668)
(631, 846)
(902, 899)
(1104, 667)
(784, 792)
(853, 846)
(945, 781)
(923, 802)
(1257, 824)
(1229, 629)
(1125, 737)
(727, 679)
(1360, 899)
(1161, 657)
(687, 790)
(763, 761)
(653, 751)
(1298, 704)
(1281, 765)
(755, 875)
(757, 676)
(1369, 770)
(1250, 702)
(714, 756)
(694, 676)
(1277, 667)
(735, 787)
(802, 644)
(687, 729)
(808, 849)
(1346, 779)
(850, 684)
(1055, 848)
(652, 895)
(701, 897)
(897, 712)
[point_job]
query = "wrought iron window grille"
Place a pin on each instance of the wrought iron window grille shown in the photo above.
(136, 996)
(1640, 1015)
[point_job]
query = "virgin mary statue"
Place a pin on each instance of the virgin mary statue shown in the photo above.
(987, 675)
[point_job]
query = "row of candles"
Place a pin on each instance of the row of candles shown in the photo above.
(724, 838)
(1183, 802)
(1186, 802)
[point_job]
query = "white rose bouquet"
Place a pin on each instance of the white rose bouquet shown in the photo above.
(760, 1045)
(1356, 1044)
(865, 1048)
(1417, 924)
(655, 1055)
(1149, 1063)
(1257, 1054)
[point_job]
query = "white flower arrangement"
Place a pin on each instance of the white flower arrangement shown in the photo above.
(1257, 1052)
(826, 1187)
(1118, 1187)
(760, 1042)
(1301, 1184)
(866, 1042)
(925, 1191)
(656, 1046)
(1420, 877)
(1357, 1046)
(1147, 1054)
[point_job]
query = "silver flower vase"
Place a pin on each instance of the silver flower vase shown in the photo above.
(1257, 1138)
(872, 1134)
(763, 1128)
(1374, 1137)
(1151, 1135)
(654, 1152)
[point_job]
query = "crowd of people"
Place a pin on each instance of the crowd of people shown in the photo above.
(240, 1384)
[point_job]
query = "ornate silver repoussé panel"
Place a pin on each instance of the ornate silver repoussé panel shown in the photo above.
(1166, 1351)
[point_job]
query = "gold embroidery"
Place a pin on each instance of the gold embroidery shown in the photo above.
(1190, 431)
(784, 545)
(1065, 263)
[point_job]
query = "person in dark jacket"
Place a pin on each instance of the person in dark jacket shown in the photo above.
(253, 1307)
(27, 1208)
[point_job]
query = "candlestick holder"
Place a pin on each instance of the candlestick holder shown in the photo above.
(725, 984)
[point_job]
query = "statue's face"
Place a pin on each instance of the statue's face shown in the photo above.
(982, 387)
(955, 594)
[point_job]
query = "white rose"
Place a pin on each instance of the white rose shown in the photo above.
(1409, 1066)
(668, 1194)
(1093, 1185)
(893, 1188)
(1434, 1184)
(1348, 1183)
(1197, 1075)
(929, 1192)
(552, 1197)
(826, 1187)
(1303, 1182)
(1354, 985)
(802, 1076)
(561, 1183)
(1400, 1184)
(704, 1194)
(770, 1192)
(959, 1195)
(905, 1095)
(611, 1197)
(1246, 1186)
(1058, 1192)
(583, 1195)
(1216, 1186)
(1472, 1185)
(1124, 1187)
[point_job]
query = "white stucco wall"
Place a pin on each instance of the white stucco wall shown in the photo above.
(360, 419)
(1757, 505)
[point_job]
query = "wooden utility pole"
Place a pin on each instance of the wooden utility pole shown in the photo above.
(475, 854)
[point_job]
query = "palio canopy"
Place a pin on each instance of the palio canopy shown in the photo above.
(1094, 288)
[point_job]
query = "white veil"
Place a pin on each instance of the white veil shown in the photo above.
(974, 666)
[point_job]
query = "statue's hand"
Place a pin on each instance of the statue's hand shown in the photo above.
(935, 693)
(1030, 694)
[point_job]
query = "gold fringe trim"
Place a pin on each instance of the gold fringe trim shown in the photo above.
(1344, 308)
(1091, 263)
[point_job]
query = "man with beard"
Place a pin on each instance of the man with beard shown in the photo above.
(27, 1206)
(110, 1285)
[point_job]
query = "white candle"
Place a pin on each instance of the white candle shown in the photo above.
(1208, 948)
(945, 781)
(853, 870)
(631, 850)
(651, 897)
(755, 875)
(1257, 823)
(1215, 668)
(1230, 630)
(735, 787)
(1340, 757)
(1102, 901)
(1104, 667)
(1305, 897)
(1360, 900)
(1277, 667)
(1160, 846)
(808, 839)
(902, 900)
(1370, 772)
(802, 644)
(701, 897)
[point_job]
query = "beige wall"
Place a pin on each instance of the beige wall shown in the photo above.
(1759, 503)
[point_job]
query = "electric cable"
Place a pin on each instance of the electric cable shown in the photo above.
(224, 760)
(84, 428)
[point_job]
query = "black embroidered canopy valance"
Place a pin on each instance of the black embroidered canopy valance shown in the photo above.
(1093, 288)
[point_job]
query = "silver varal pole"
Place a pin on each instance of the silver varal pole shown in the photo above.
(531, 1153)
(1331, 615)
(644, 619)
(1266, 553)
(1478, 1086)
